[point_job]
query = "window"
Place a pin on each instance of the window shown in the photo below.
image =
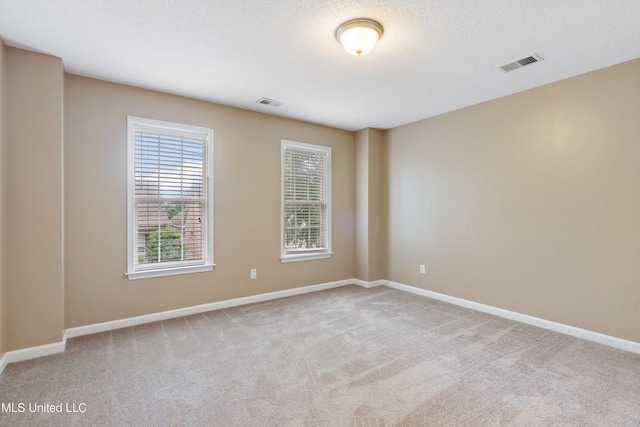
(170, 198)
(306, 201)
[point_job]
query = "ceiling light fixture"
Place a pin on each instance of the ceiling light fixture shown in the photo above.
(359, 36)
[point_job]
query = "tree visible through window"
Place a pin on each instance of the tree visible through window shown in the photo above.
(169, 197)
(305, 201)
(165, 245)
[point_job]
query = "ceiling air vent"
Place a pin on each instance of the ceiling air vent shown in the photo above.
(270, 102)
(520, 63)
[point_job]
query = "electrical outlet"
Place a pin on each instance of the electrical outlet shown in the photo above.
(423, 269)
(254, 273)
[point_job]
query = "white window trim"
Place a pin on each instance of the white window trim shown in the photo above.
(306, 254)
(133, 124)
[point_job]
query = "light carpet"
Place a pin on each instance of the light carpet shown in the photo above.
(348, 356)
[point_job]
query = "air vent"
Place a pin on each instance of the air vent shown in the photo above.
(520, 63)
(270, 102)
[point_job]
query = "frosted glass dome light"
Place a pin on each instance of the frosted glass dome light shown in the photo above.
(359, 36)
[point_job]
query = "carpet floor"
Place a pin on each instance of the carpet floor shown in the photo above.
(348, 356)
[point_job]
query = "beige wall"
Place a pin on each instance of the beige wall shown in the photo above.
(361, 269)
(370, 204)
(3, 184)
(377, 205)
(528, 203)
(247, 203)
(34, 232)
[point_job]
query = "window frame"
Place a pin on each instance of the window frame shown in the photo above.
(306, 254)
(135, 124)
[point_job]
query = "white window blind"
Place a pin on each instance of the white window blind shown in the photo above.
(305, 200)
(169, 197)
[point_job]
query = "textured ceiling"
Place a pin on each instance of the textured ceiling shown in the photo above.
(435, 55)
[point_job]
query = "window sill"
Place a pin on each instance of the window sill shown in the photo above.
(145, 274)
(305, 257)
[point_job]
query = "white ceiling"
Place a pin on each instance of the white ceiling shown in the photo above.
(435, 55)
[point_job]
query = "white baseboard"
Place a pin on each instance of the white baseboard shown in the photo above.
(33, 352)
(59, 347)
(3, 362)
(619, 343)
(187, 311)
(366, 284)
